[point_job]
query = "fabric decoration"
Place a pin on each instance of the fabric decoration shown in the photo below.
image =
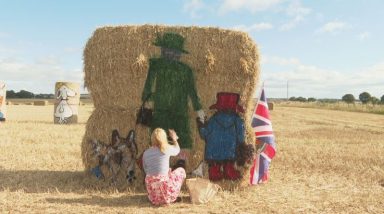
(265, 141)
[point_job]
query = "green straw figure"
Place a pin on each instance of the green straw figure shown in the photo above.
(169, 84)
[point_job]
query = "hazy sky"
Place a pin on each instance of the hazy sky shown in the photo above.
(325, 49)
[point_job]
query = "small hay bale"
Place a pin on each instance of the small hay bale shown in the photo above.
(66, 107)
(116, 61)
(40, 103)
(3, 101)
(270, 106)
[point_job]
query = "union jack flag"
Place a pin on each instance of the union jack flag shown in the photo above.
(265, 141)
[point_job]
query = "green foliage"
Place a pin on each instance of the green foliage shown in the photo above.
(327, 100)
(382, 99)
(375, 100)
(11, 94)
(21, 94)
(365, 97)
(348, 98)
(27, 95)
(301, 99)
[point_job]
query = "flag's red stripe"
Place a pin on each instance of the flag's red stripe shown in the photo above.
(269, 151)
(262, 111)
(264, 133)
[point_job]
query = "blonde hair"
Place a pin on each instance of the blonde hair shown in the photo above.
(159, 139)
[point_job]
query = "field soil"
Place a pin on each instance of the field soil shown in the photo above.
(327, 162)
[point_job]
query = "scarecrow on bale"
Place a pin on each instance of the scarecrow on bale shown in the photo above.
(224, 137)
(169, 84)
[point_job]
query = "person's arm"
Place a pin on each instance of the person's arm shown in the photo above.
(174, 149)
(192, 91)
(207, 128)
(145, 166)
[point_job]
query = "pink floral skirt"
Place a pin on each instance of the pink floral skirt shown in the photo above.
(164, 189)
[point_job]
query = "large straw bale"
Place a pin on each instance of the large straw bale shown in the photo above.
(116, 66)
(40, 103)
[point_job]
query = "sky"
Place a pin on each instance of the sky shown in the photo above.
(321, 49)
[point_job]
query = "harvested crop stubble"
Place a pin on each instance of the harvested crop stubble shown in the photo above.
(116, 66)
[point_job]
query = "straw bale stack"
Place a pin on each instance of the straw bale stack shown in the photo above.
(40, 103)
(116, 65)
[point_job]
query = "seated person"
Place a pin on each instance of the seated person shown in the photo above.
(163, 185)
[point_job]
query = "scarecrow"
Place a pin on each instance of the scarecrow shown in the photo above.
(169, 84)
(223, 134)
(2, 100)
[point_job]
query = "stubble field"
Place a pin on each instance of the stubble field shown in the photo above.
(327, 162)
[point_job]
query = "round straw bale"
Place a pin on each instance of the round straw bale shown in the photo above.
(66, 107)
(270, 106)
(40, 103)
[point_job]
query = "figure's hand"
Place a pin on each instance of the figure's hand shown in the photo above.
(199, 123)
(173, 135)
(201, 115)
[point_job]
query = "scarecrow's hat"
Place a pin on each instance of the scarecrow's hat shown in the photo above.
(171, 40)
(227, 101)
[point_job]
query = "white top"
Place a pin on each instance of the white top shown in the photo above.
(157, 163)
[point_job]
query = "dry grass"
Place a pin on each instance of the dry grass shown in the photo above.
(341, 106)
(327, 162)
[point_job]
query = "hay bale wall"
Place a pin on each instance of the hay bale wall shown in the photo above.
(40, 103)
(116, 66)
(67, 99)
(3, 101)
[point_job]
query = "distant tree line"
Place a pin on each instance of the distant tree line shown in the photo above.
(28, 95)
(303, 99)
(364, 97)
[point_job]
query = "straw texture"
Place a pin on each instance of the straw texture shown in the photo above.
(116, 65)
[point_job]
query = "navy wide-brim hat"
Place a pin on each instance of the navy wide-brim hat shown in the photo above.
(172, 41)
(227, 101)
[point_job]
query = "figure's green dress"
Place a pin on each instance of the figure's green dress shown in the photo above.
(169, 84)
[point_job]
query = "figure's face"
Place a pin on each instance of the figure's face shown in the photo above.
(170, 54)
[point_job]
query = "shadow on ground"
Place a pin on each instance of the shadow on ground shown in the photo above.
(130, 200)
(41, 181)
